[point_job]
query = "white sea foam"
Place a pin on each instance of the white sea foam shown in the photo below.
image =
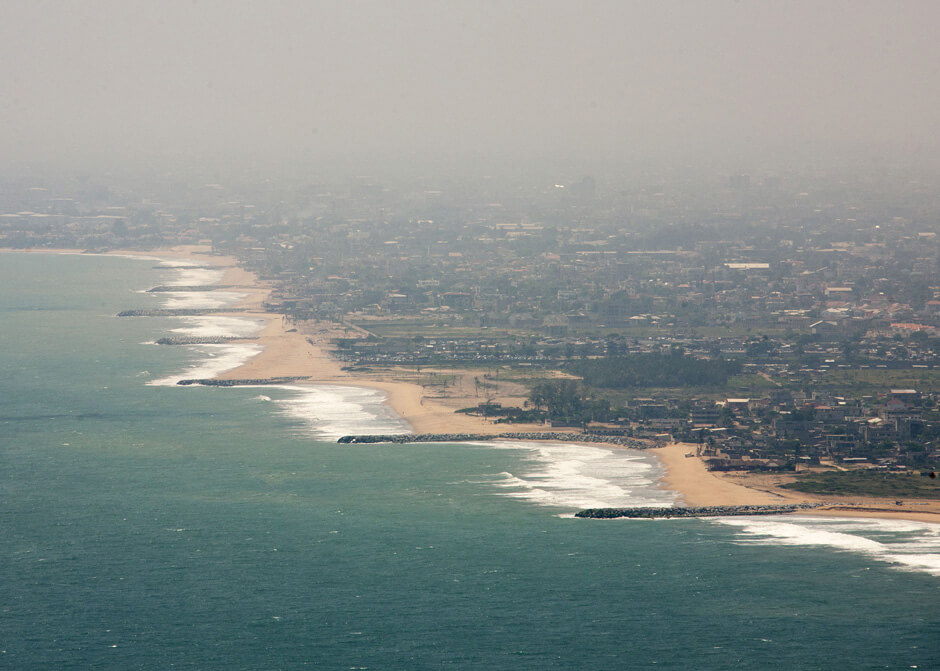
(219, 325)
(109, 255)
(568, 475)
(210, 359)
(196, 300)
(330, 411)
(906, 544)
(183, 276)
(213, 360)
(194, 276)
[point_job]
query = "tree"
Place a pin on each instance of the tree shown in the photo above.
(561, 398)
(725, 417)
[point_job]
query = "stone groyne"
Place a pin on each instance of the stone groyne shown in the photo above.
(621, 441)
(706, 511)
(174, 288)
(199, 340)
(246, 382)
(177, 312)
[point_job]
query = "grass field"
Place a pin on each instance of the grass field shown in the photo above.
(432, 328)
(879, 380)
(868, 483)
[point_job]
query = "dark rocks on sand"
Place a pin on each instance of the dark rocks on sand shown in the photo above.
(621, 441)
(211, 382)
(703, 511)
(199, 340)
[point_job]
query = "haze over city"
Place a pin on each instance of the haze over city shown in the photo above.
(493, 83)
(358, 334)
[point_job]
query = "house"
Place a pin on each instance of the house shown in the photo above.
(826, 330)
(457, 300)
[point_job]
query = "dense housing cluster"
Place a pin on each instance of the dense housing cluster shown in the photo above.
(776, 319)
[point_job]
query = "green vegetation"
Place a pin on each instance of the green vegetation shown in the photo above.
(506, 414)
(751, 383)
(868, 483)
(876, 380)
(655, 370)
(568, 401)
(436, 328)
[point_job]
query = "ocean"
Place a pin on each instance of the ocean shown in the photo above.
(147, 525)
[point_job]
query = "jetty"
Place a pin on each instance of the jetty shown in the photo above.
(189, 287)
(693, 511)
(621, 441)
(244, 382)
(200, 340)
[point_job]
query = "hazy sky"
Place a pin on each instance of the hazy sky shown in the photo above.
(407, 79)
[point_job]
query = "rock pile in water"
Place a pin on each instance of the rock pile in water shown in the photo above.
(247, 382)
(189, 287)
(199, 340)
(703, 511)
(622, 441)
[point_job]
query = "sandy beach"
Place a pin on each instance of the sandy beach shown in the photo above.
(700, 487)
(305, 351)
(290, 350)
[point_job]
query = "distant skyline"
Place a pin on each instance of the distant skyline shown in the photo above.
(131, 83)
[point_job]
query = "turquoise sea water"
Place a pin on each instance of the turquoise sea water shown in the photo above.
(149, 526)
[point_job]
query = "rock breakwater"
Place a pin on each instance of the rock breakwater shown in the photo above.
(692, 511)
(621, 441)
(199, 340)
(176, 288)
(245, 382)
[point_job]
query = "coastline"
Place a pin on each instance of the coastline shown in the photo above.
(698, 486)
(288, 351)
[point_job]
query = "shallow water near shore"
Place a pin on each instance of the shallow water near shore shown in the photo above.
(156, 527)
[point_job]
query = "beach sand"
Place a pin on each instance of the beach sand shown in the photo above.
(292, 351)
(700, 487)
(305, 351)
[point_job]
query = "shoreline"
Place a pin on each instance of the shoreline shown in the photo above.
(288, 351)
(697, 486)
